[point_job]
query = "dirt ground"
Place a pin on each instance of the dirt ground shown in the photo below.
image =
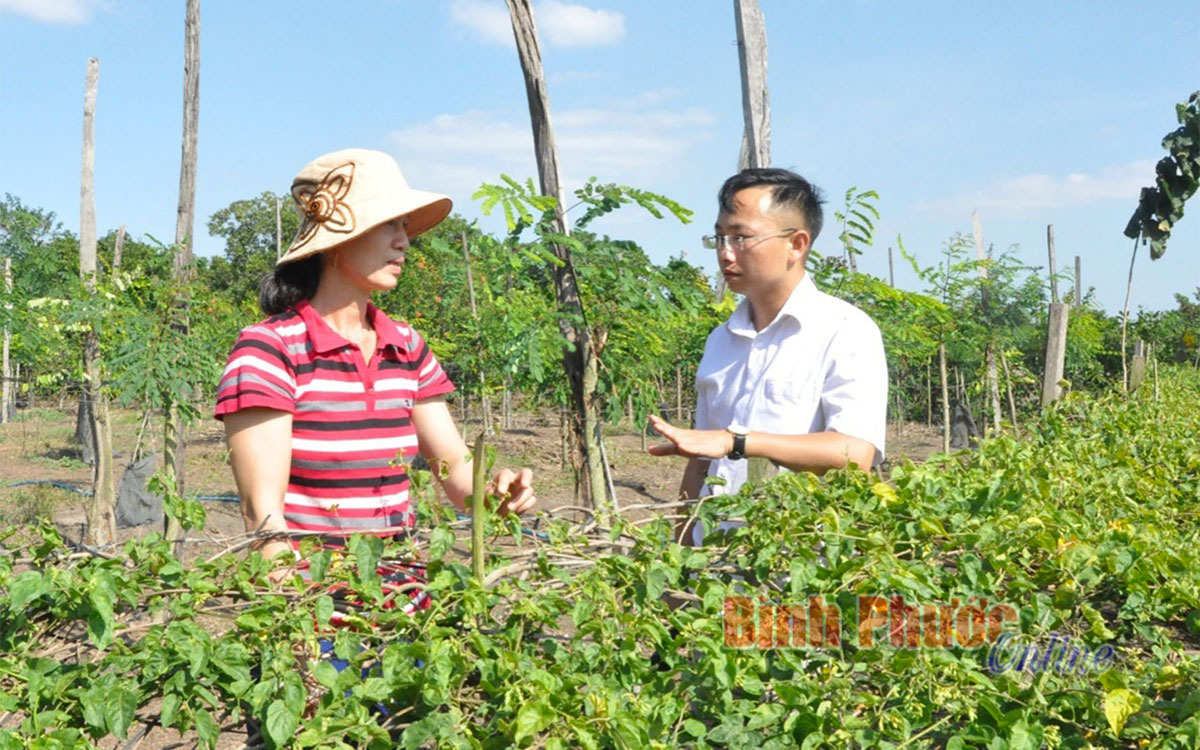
(39, 446)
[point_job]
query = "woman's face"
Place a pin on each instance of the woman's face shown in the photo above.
(372, 260)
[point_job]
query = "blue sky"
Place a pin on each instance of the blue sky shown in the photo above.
(1029, 112)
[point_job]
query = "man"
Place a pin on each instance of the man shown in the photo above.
(795, 376)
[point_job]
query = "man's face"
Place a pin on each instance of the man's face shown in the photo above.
(775, 257)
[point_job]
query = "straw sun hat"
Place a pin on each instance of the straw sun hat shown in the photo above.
(350, 192)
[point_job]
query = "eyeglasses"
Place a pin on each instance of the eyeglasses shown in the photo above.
(738, 243)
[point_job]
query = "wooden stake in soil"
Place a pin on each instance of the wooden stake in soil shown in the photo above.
(1079, 282)
(580, 361)
(945, 399)
(1125, 316)
(478, 511)
(101, 523)
(1050, 250)
(1056, 352)
(118, 248)
(756, 105)
(1012, 404)
(1137, 373)
(993, 385)
(6, 387)
(485, 408)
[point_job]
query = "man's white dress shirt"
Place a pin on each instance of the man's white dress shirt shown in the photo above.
(818, 366)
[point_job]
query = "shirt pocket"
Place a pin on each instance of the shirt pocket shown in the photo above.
(790, 402)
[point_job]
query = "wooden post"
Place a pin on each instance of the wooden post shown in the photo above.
(1137, 372)
(579, 355)
(1125, 317)
(118, 248)
(478, 511)
(993, 384)
(1012, 404)
(1079, 282)
(1154, 362)
(6, 388)
(945, 399)
(929, 392)
(101, 523)
(678, 397)
(1056, 352)
(507, 402)
(891, 268)
(1050, 250)
(174, 439)
(278, 229)
(484, 405)
(756, 105)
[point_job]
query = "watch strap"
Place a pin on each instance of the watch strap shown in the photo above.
(739, 446)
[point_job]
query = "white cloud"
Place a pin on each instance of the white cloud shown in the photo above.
(455, 153)
(52, 11)
(1029, 194)
(567, 25)
(559, 23)
(488, 21)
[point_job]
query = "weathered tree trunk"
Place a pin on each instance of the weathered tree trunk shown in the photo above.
(1137, 371)
(118, 248)
(945, 399)
(485, 408)
(6, 387)
(1079, 282)
(929, 393)
(101, 523)
(1012, 404)
(174, 438)
(579, 356)
(993, 382)
(756, 104)
(1052, 268)
(278, 229)
(1056, 352)
(1125, 317)
(679, 397)
(891, 269)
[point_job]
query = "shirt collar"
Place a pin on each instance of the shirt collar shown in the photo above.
(797, 307)
(325, 339)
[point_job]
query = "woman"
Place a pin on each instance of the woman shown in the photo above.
(326, 400)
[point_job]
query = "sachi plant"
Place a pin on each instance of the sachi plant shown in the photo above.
(593, 636)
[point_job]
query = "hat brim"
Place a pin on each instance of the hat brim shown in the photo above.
(424, 210)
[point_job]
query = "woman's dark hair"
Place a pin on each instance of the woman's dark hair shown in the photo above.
(787, 189)
(284, 286)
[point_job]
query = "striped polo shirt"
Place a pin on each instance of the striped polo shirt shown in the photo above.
(352, 431)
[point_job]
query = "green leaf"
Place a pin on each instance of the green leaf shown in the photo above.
(656, 580)
(120, 707)
(318, 564)
(694, 728)
(1119, 705)
(25, 588)
(207, 729)
(323, 610)
(281, 723)
(531, 719)
(170, 706)
(441, 539)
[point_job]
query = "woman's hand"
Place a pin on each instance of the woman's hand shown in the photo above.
(515, 490)
(440, 443)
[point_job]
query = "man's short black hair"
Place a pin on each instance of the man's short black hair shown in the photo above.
(787, 189)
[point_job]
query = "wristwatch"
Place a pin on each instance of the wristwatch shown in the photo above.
(739, 444)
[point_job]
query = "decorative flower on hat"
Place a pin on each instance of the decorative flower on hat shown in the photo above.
(322, 204)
